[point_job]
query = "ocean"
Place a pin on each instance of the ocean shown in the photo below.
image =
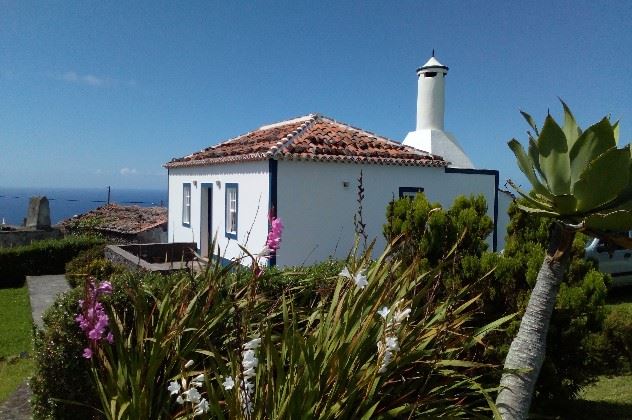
(67, 202)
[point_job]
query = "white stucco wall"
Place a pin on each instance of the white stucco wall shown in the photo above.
(253, 195)
(318, 210)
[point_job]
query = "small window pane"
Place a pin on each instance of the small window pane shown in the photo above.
(231, 210)
(186, 204)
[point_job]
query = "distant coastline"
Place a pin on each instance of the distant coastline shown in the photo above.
(67, 202)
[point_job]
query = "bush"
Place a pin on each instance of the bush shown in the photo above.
(616, 339)
(42, 257)
(312, 321)
(573, 353)
(91, 262)
(62, 386)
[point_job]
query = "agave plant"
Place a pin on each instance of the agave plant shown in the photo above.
(583, 181)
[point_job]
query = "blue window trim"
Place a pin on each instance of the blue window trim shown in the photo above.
(228, 186)
(404, 190)
(186, 224)
(496, 175)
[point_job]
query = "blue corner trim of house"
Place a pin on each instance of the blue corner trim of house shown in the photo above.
(229, 186)
(273, 208)
(496, 175)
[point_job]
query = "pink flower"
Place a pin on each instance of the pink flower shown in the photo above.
(274, 236)
(93, 320)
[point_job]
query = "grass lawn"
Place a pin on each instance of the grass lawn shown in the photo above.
(609, 398)
(15, 339)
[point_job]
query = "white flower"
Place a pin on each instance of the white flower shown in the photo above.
(189, 364)
(192, 395)
(228, 383)
(265, 252)
(253, 344)
(173, 387)
(198, 380)
(179, 400)
(345, 273)
(201, 408)
(401, 315)
(360, 280)
(392, 344)
(383, 312)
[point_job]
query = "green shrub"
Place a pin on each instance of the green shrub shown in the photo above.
(573, 352)
(62, 375)
(155, 321)
(91, 262)
(42, 257)
(617, 334)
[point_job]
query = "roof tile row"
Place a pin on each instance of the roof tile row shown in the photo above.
(313, 137)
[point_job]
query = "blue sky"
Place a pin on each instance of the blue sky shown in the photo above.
(103, 93)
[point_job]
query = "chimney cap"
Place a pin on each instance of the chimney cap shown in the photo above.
(432, 64)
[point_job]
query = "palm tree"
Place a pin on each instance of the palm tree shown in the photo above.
(584, 183)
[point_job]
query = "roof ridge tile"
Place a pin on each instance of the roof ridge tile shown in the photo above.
(290, 138)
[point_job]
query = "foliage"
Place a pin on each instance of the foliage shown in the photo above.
(42, 257)
(616, 339)
(578, 177)
(581, 180)
(87, 225)
(329, 365)
(571, 360)
(319, 335)
(424, 229)
(62, 376)
(574, 357)
(90, 262)
(61, 373)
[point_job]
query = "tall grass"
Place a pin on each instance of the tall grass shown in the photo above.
(327, 361)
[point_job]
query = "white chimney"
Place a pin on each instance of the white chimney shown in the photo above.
(429, 135)
(431, 94)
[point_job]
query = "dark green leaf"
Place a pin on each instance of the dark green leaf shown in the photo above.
(565, 204)
(603, 180)
(526, 166)
(620, 220)
(530, 121)
(534, 154)
(554, 158)
(593, 142)
(571, 129)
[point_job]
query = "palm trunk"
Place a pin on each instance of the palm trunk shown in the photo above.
(527, 351)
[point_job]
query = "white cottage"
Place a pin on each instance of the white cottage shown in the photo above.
(305, 171)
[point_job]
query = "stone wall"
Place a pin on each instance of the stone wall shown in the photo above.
(9, 238)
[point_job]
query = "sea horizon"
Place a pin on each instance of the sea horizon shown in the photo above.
(67, 202)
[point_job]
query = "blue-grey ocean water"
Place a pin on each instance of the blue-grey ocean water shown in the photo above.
(67, 202)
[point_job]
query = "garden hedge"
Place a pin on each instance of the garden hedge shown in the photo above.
(42, 257)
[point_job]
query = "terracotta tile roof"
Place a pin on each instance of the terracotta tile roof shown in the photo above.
(120, 219)
(313, 137)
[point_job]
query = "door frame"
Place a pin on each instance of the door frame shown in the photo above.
(206, 217)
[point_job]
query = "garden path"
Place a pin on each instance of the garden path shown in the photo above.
(43, 291)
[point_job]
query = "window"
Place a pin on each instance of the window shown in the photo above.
(409, 192)
(186, 204)
(231, 211)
